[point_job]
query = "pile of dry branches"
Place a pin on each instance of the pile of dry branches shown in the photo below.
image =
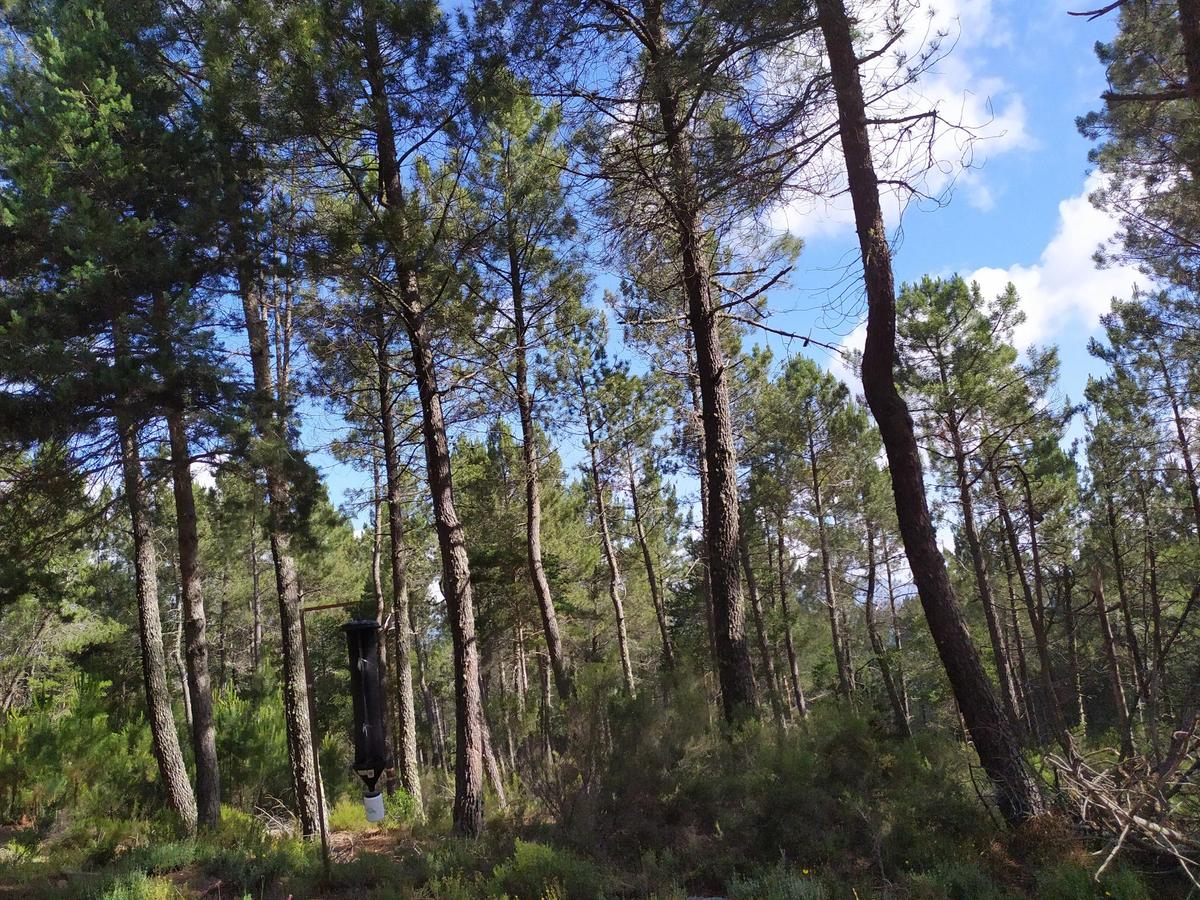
(1137, 802)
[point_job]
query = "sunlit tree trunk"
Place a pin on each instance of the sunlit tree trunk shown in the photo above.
(164, 738)
(1018, 794)
(195, 626)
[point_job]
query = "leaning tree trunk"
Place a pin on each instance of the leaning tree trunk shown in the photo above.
(660, 610)
(406, 725)
(270, 428)
(615, 586)
(456, 568)
(1018, 794)
(195, 627)
(1114, 666)
(533, 491)
(1140, 677)
(734, 670)
(1033, 607)
(982, 579)
(164, 738)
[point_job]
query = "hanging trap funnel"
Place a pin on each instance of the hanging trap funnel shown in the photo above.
(371, 756)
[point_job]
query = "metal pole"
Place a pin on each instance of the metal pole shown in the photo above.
(312, 720)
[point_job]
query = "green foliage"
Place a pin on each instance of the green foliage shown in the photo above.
(138, 886)
(1072, 881)
(780, 882)
(252, 746)
(64, 750)
(540, 872)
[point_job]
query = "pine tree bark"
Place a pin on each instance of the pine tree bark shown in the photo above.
(693, 384)
(164, 738)
(732, 650)
(406, 731)
(456, 569)
(266, 413)
(533, 490)
(1017, 791)
(195, 626)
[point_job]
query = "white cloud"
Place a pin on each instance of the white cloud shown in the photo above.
(1064, 290)
(204, 475)
(1063, 294)
(993, 117)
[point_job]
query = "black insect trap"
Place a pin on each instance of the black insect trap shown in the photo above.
(371, 756)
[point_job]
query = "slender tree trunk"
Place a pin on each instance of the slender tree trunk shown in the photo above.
(764, 645)
(544, 722)
(616, 588)
(1018, 794)
(256, 634)
(1035, 608)
(899, 713)
(660, 610)
(982, 579)
(267, 414)
(1157, 679)
(456, 569)
(180, 666)
(785, 610)
(1114, 667)
(406, 732)
(533, 491)
(702, 475)
(1032, 714)
(897, 641)
(1135, 649)
(840, 649)
(495, 776)
(520, 671)
(204, 734)
(1068, 607)
(164, 738)
(1185, 446)
(456, 582)
(433, 714)
(732, 651)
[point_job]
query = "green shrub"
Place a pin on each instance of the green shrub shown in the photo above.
(955, 880)
(159, 858)
(780, 882)
(539, 872)
(348, 815)
(1072, 881)
(401, 810)
(137, 886)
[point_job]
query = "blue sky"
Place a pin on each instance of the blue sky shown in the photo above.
(1022, 70)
